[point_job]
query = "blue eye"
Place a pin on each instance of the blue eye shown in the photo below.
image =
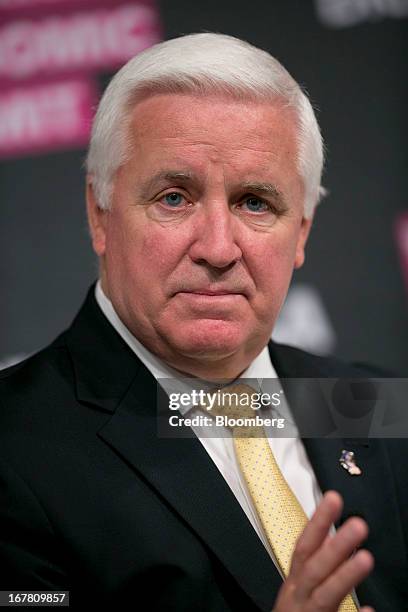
(256, 205)
(173, 199)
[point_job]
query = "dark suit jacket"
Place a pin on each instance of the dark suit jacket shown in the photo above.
(93, 501)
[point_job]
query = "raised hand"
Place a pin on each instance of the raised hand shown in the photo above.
(324, 569)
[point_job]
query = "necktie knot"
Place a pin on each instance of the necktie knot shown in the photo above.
(233, 402)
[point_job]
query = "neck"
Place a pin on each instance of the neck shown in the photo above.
(213, 372)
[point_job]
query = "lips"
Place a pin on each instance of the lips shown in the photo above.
(211, 291)
(212, 287)
(207, 292)
(210, 296)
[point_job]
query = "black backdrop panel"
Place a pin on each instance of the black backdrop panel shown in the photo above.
(356, 77)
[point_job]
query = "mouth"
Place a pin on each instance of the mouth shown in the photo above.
(211, 299)
(211, 304)
(207, 295)
(212, 293)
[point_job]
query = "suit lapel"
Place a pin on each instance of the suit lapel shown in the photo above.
(324, 454)
(181, 472)
(110, 376)
(370, 495)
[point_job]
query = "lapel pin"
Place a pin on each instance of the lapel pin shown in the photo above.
(348, 462)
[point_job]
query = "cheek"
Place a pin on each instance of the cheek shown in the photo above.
(273, 263)
(144, 253)
(160, 249)
(275, 248)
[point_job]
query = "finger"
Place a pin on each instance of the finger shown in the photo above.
(316, 531)
(331, 555)
(367, 609)
(331, 593)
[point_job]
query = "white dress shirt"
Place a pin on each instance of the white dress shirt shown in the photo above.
(289, 452)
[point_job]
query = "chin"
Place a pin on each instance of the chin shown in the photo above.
(210, 339)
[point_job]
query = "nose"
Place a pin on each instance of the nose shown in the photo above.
(216, 237)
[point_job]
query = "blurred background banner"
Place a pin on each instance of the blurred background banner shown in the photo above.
(49, 53)
(401, 233)
(344, 13)
(57, 56)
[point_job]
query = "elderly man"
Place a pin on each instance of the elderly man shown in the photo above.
(204, 170)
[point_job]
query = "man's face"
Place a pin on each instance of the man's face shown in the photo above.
(205, 229)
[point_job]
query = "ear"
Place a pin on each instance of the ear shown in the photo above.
(97, 219)
(304, 232)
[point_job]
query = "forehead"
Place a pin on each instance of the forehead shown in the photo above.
(214, 128)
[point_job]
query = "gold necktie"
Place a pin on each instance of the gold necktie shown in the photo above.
(281, 515)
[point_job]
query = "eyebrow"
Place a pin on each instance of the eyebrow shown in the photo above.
(167, 176)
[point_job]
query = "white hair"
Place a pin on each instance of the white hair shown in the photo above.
(206, 63)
